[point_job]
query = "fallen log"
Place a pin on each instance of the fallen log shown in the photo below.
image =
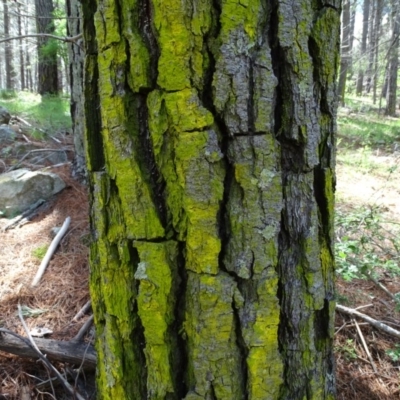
(78, 353)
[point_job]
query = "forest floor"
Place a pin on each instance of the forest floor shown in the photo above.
(368, 218)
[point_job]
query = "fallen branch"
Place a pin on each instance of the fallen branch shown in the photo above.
(364, 343)
(383, 287)
(15, 166)
(46, 362)
(82, 311)
(373, 322)
(85, 327)
(67, 39)
(57, 350)
(26, 215)
(50, 251)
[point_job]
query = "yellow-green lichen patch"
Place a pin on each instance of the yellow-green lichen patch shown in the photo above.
(139, 57)
(236, 14)
(201, 181)
(107, 24)
(326, 35)
(254, 205)
(121, 153)
(214, 358)
(179, 31)
(112, 305)
(156, 302)
(186, 112)
(260, 333)
(190, 162)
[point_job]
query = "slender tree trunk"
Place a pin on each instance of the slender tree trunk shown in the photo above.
(391, 93)
(21, 50)
(76, 58)
(47, 56)
(345, 51)
(371, 46)
(360, 78)
(8, 53)
(377, 29)
(210, 132)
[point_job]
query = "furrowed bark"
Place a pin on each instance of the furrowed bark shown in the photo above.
(212, 197)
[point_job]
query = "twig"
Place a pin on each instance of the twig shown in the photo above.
(85, 327)
(365, 346)
(67, 39)
(373, 322)
(35, 151)
(383, 287)
(22, 120)
(25, 215)
(51, 250)
(82, 311)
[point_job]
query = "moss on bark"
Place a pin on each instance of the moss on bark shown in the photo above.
(212, 183)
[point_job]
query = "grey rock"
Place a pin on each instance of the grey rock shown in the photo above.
(21, 188)
(6, 134)
(5, 116)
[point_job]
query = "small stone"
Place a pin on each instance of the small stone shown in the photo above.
(54, 231)
(5, 116)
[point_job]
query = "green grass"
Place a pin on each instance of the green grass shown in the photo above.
(40, 252)
(367, 242)
(361, 124)
(47, 113)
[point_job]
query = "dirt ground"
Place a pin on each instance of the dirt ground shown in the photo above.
(63, 291)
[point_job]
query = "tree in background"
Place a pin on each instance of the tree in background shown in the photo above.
(393, 59)
(210, 140)
(47, 49)
(76, 56)
(360, 77)
(345, 50)
(8, 53)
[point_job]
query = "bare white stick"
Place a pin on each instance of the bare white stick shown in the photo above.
(373, 322)
(50, 251)
(364, 343)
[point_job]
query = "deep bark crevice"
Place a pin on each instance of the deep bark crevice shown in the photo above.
(322, 202)
(179, 361)
(277, 60)
(147, 32)
(137, 336)
(157, 182)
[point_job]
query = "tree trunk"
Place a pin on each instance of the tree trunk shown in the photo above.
(360, 77)
(76, 55)
(47, 49)
(210, 133)
(22, 49)
(377, 29)
(391, 93)
(345, 51)
(371, 45)
(8, 53)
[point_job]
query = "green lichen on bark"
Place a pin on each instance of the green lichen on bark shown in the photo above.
(180, 29)
(118, 363)
(212, 198)
(190, 163)
(120, 130)
(157, 274)
(214, 360)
